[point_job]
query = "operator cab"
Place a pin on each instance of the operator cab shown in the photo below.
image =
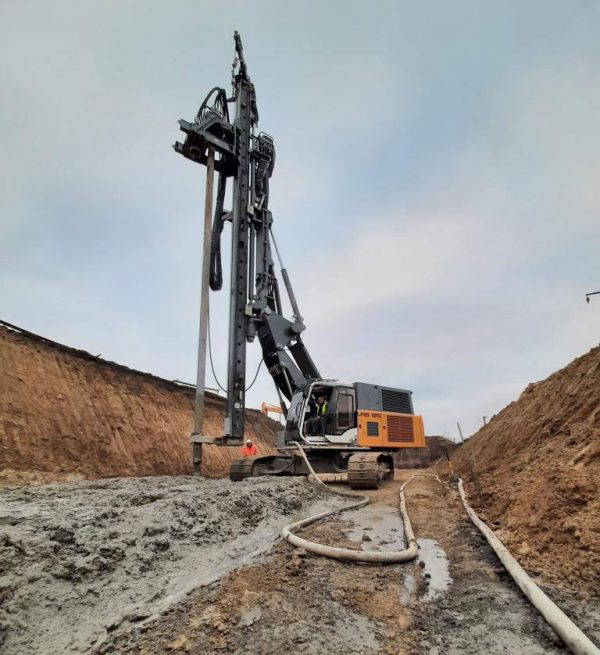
(336, 426)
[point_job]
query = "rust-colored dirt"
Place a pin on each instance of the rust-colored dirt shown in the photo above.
(66, 415)
(534, 473)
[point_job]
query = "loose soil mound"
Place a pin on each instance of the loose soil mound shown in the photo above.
(66, 415)
(534, 473)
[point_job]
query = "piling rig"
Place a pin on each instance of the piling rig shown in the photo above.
(363, 424)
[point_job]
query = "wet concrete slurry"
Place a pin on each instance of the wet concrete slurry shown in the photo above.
(80, 561)
(435, 568)
(376, 527)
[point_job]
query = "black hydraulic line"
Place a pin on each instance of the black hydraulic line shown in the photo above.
(256, 375)
(219, 104)
(212, 366)
(251, 257)
(216, 269)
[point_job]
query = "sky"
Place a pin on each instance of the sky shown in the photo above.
(436, 195)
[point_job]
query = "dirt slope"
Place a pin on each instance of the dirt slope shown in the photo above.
(538, 470)
(66, 415)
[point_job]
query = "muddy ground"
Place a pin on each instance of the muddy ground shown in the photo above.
(456, 598)
(80, 561)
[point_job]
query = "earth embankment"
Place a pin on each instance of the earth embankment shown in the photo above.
(534, 474)
(417, 458)
(67, 415)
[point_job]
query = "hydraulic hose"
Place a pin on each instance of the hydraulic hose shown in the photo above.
(572, 636)
(216, 270)
(346, 554)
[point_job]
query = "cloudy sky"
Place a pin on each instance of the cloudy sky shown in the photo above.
(436, 195)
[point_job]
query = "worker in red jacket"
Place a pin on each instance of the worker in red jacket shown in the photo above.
(249, 450)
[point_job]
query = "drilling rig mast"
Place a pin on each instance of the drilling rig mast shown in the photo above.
(255, 307)
(346, 428)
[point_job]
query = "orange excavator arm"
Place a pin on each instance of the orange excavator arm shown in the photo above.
(266, 408)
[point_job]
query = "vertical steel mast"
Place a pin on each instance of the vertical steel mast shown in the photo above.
(255, 307)
(245, 119)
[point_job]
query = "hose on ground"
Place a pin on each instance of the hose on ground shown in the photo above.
(346, 554)
(572, 636)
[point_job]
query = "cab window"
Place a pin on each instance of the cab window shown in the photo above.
(344, 412)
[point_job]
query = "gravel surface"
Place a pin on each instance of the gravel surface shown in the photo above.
(80, 561)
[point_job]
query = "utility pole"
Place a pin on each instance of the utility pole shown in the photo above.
(203, 330)
(460, 432)
(587, 295)
(484, 420)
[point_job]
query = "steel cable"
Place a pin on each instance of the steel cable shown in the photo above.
(212, 365)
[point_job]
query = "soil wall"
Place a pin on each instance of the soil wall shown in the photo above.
(66, 415)
(534, 473)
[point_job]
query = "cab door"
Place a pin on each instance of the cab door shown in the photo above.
(343, 416)
(340, 426)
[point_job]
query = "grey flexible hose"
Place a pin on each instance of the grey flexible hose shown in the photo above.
(346, 554)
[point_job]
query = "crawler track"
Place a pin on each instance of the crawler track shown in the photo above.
(366, 470)
(242, 468)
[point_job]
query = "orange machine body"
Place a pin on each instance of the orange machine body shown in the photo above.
(389, 430)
